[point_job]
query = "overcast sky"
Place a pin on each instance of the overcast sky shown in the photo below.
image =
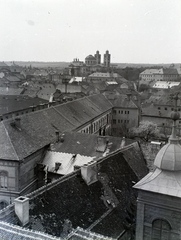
(134, 31)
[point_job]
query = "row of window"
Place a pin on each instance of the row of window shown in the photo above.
(120, 121)
(159, 108)
(96, 125)
(120, 112)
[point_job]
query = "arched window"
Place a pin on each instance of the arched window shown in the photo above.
(160, 230)
(3, 180)
(3, 204)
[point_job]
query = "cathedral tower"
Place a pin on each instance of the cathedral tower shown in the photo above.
(107, 59)
(98, 57)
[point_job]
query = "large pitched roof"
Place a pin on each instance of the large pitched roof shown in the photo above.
(91, 207)
(104, 75)
(95, 205)
(86, 144)
(37, 129)
(124, 102)
(13, 103)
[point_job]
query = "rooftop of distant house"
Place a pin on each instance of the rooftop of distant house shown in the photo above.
(12, 103)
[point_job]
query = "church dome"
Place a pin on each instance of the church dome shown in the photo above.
(90, 57)
(169, 157)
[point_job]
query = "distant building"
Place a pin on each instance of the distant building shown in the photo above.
(162, 74)
(92, 64)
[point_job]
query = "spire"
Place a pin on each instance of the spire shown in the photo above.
(174, 116)
(169, 156)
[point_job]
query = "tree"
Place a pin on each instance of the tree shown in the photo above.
(146, 130)
(144, 87)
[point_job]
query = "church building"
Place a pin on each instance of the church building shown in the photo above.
(159, 193)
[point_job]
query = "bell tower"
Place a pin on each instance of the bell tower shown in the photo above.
(107, 59)
(159, 193)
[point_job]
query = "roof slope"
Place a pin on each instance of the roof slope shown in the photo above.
(84, 205)
(86, 144)
(37, 129)
(12, 232)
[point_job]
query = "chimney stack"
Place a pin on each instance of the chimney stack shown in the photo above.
(22, 209)
(89, 172)
(17, 123)
(57, 136)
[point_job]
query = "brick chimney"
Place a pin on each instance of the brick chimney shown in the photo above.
(22, 209)
(89, 172)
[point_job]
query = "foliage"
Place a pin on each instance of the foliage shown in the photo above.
(146, 131)
(143, 87)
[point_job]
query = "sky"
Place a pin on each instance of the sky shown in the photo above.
(134, 31)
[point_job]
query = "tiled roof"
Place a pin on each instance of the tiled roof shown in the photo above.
(10, 91)
(12, 232)
(88, 206)
(81, 234)
(70, 88)
(66, 160)
(37, 129)
(86, 144)
(123, 101)
(165, 84)
(13, 79)
(101, 102)
(151, 71)
(105, 75)
(12, 103)
(170, 71)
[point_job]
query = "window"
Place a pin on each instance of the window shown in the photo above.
(114, 111)
(160, 230)
(121, 112)
(128, 112)
(118, 121)
(3, 204)
(114, 121)
(125, 112)
(165, 108)
(4, 179)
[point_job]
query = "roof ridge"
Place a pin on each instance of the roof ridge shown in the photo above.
(10, 141)
(24, 231)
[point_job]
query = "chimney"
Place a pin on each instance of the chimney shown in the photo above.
(123, 142)
(57, 136)
(57, 166)
(17, 123)
(22, 209)
(89, 172)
